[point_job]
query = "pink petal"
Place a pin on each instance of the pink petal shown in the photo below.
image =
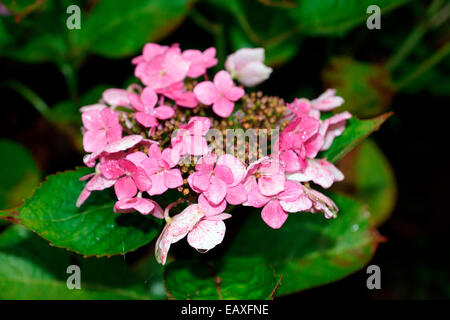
(94, 140)
(92, 120)
(206, 234)
(114, 134)
(125, 188)
(206, 163)
(123, 144)
(236, 195)
(150, 166)
(147, 120)
(144, 206)
(223, 81)
(154, 152)
(111, 169)
(290, 160)
(236, 166)
(109, 117)
(99, 182)
(206, 92)
(211, 209)
(83, 197)
(178, 228)
(164, 112)
(173, 178)
(223, 107)
(149, 98)
(224, 173)
(143, 182)
(302, 203)
(216, 191)
(137, 157)
(116, 97)
(136, 102)
(175, 65)
(199, 181)
(273, 214)
(271, 185)
(170, 156)
(158, 184)
(291, 192)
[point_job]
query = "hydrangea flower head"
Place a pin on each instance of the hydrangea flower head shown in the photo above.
(162, 145)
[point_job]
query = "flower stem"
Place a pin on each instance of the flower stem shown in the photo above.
(170, 206)
(36, 101)
(425, 66)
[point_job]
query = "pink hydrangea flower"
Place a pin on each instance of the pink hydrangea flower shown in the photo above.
(129, 177)
(163, 69)
(115, 148)
(321, 203)
(247, 66)
(222, 93)
(176, 229)
(147, 114)
(204, 229)
(178, 93)
(150, 51)
(200, 61)
(190, 139)
(116, 97)
(327, 101)
(319, 171)
(159, 167)
(302, 139)
(209, 231)
(96, 182)
(277, 207)
(268, 174)
(213, 177)
(91, 107)
(333, 127)
(142, 205)
(102, 126)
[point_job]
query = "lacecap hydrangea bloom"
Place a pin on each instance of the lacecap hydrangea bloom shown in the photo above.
(169, 141)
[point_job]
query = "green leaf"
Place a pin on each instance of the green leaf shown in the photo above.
(39, 37)
(369, 176)
(92, 230)
(310, 250)
(335, 17)
(367, 87)
(356, 130)
(235, 278)
(19, 173)
(31, 269)
(117, 28)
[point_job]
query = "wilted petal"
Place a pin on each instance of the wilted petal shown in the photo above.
(206, 234)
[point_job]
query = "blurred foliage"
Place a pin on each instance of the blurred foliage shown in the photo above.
(51, 213)
(378, 190)
(308, 251)
(19, 173)
(228, 279)
(30, 269)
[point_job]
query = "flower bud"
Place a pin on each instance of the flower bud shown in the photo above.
(247, 66)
